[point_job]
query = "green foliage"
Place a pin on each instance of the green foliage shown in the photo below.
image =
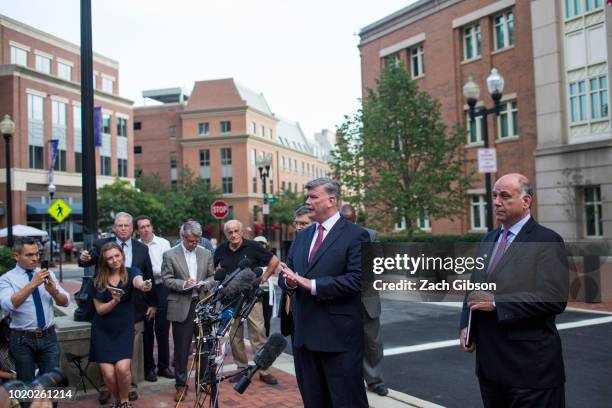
(167, 206)
(7, 261)
(396, 157)
(282, 211)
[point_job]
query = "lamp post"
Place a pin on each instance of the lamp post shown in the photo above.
(264, 162)
(7, 127)
(51, 189)
(471, 92)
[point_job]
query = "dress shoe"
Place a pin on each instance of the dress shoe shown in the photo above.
(133, 395)
(268, 379)
(380, 389)
(180, 395)
(104, 396)
(150, 376)
(165, 372)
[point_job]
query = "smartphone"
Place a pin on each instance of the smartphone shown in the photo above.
(44, 264)
(116, 290)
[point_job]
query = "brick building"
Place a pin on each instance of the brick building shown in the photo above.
(442, 43)
(40, 90)
(218, 132)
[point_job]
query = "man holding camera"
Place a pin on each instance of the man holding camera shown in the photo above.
(28, 292)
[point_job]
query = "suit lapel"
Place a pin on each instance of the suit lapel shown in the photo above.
(512, 248)
(200, 263)
(182, 261)
(332, 235)
(303, 261)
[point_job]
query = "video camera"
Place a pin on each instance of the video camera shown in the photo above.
(53, 379)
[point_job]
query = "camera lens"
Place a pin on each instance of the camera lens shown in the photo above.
(54, 378)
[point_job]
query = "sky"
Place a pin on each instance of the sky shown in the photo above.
(301, 54)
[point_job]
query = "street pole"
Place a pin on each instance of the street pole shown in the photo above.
(51, 189)
(7, 126)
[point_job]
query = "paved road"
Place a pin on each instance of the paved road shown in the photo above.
(424, 360)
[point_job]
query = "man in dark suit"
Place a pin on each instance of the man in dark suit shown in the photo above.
(519, 360)
(326, 303)
(145, 304)
(370, 299)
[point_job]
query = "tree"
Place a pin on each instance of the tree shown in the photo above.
(395, 154)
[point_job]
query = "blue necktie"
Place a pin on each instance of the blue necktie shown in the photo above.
(40, 313)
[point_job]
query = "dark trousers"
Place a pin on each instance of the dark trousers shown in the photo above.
(330, 380)
(182, 333)
(267, 311)
(496, 395)
(157, 328)
(31, 352)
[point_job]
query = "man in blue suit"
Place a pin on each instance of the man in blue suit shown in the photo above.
(323, 274)
(519, 359)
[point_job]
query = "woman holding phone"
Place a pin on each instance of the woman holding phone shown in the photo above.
(112, 328)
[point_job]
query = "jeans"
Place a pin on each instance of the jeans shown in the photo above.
(29, 353)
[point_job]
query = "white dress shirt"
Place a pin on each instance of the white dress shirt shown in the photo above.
(24, 317)
(192, 265)
(127, 251)
(327, 225)
(157, 247)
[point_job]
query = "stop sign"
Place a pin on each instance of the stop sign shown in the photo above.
(219, 209)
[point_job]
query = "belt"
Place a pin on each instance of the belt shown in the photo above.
(35, 333)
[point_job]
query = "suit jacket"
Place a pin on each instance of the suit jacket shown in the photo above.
(331, 321)
(175, 272)
(370, 296)
(141, 260)
(518, 343)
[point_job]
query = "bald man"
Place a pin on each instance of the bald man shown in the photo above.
(519, 359)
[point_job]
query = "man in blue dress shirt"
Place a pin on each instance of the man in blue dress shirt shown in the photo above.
(28, 293)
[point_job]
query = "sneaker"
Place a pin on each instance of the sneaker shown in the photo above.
(268, 379)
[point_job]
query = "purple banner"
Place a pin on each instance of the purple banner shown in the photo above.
(98, 126)
(53, 143)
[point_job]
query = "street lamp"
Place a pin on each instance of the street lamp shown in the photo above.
(471, 92)
(264, 162)
(7, 127)
(51, 189)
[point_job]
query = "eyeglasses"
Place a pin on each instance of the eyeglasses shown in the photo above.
(300, 224)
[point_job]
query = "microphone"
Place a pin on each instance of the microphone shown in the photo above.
(246, 263)
(242, 283)
(220, 274)
(225, 318)
(264, 358)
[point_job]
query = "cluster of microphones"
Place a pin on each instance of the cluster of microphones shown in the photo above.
(237, 293)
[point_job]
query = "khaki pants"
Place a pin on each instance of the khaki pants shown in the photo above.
(257, 335)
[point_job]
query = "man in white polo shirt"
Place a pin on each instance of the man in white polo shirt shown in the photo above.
(156, 326)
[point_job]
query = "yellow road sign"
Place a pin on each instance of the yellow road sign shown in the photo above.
(59, 210)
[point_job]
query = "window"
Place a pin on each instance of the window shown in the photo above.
(122, 127)
(262, 131)
(283, 163)
(172, 132)
(507, 120)
(78, 162)
(137, 125)
(226, 156)
(574, 8)
(137, 149)
(392, 59)
(283, 187)
(598, 88)
(203, 128)
(43, 64)
(173, 172)
(295, 168)
(478, 212)
(36, 135)
(471, 42)
(122, 167)
(254, 169)
(578, 108)
(270, 133)
(417, 62)
(226, 185)
(504, 30)
(226, 126)
(64, 71)
(108, 84)
(593, 212)
(204, 158)
(253, 128)
(58, 131)
(424, 222)
(94, 80)
(19, 56)
(106, 123)
(474, 129)
(105, 165)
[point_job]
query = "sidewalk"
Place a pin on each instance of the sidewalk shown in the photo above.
(286, 394)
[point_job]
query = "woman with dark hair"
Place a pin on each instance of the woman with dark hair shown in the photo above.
(112, 328)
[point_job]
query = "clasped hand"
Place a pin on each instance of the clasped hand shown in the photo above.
(481, 300)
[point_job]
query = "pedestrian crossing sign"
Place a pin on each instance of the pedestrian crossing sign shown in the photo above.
(59, 210)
